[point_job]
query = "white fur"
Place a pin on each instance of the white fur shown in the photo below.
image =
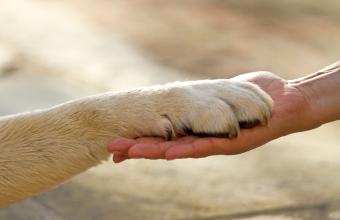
(41, 149)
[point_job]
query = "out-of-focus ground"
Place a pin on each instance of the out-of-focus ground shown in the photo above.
(53, 51)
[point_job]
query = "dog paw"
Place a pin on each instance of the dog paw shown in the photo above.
(200, 108)
(212, 108)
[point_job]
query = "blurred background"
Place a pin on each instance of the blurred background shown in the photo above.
(54, 51)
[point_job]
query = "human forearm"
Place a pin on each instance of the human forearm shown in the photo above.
(322, 92)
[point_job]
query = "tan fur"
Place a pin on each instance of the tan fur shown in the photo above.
(41, 149)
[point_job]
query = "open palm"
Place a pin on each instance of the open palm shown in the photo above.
(288, 115)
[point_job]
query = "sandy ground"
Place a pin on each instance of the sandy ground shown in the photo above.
(80, 49)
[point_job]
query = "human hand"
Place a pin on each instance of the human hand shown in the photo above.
(290, 114)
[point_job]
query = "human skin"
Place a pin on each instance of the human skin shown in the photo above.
(299, 105)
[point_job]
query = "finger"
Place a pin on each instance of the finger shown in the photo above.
(150, 140)
(118, 158)
(180, 151)
(147, 147)
(123, 144)
(200, 147)
(120, 145)
(150, 151)
(154, 148)
(185, 139)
